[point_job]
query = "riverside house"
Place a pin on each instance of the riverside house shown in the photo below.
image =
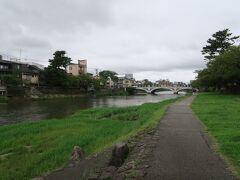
(78, 69)
(125, 81)
(29, 73)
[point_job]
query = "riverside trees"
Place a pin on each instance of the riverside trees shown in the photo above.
(55, 75)
(218, 44)
(104, 75)
(222, 70)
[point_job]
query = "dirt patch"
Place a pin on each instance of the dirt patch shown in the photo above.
(97, 166)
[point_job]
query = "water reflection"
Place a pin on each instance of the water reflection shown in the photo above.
(22, 110)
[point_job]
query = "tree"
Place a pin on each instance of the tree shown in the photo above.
(223, 63)
(11, 80)
(226, 69)
(60, 61)
(219, 42)
(85, 81)
(106, 73)
(204, 79)
(147, 82)
(55, 74)
(223, 73)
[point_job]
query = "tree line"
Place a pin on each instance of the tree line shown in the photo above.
(55, 75)
(222, 57)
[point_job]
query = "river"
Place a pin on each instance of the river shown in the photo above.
(21, 110)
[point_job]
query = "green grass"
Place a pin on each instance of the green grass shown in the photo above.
(3, 99)
(30, 149)
(221, 115)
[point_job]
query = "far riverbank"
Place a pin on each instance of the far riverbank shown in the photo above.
(20, 109)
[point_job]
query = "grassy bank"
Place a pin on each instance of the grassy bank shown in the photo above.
(31, 149)
(3, 99)
(221, 115)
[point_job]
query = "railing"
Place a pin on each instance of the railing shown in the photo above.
(161, 86)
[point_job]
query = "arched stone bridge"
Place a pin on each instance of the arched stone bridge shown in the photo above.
(152, 90)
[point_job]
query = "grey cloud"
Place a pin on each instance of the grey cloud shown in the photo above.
(164, 65)
(135, 36)
(31, 42)
(56, 15)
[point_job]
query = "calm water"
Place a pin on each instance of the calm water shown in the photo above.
(22, 110)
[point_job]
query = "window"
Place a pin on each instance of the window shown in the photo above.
(3, 67)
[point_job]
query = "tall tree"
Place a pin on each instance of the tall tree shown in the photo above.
(223, 73)
(146, 82)
(60, 60)
(55, 74)
(219, 42)
(106, 73)
(226, 69)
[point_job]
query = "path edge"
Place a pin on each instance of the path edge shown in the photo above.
(215, 146)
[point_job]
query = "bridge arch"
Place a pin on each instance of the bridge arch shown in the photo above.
(175, 90)
(152, 90)
(159, 88)
(184, 88)
(142, 89)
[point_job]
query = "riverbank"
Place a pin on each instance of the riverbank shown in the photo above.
(46, 145)
(3, 99)
(221, 116)
(22, 109)
(44, 92)
(35, 94)
(55, 96)
(178, 148)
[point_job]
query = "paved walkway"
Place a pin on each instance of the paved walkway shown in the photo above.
(183, 150)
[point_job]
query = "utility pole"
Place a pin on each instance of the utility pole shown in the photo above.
(96, 71)
(20, 54)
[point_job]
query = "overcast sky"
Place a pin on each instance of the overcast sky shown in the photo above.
(153, 39)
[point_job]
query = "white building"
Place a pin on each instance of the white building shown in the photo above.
(78, 69)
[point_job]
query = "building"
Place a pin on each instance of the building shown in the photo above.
(110, 83)
(3, 91)
(126, 80)
(138, 84)
(73, 69)
(164, 83)
(78, 69)
(27, 72)
(129, 76)
(180, 84)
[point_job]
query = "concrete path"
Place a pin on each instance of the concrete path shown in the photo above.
(183, 151)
